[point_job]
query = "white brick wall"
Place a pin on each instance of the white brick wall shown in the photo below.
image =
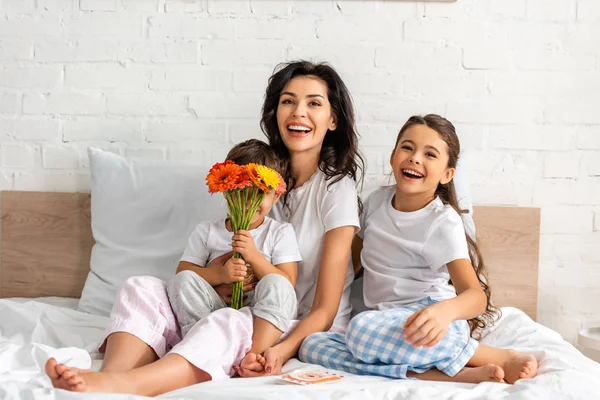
(184, 80)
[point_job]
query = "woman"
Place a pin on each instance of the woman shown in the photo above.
(308, 118)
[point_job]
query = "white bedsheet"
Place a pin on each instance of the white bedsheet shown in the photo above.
(31, 331)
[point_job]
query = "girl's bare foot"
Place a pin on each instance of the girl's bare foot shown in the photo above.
(56, 371)
(253, 362)
(485, 373)
(520, 366)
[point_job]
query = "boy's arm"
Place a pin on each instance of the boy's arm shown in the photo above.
(262, 267)
(210, 275)
(243, 243)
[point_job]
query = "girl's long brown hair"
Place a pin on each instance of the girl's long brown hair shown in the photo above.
(447, 193)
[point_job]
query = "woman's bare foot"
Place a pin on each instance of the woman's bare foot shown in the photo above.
(56, 371)
(253, 362)
(485, 373)
(520, 366)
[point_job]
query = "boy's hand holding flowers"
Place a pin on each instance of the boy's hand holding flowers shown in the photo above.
(243, 243)
(244, 187)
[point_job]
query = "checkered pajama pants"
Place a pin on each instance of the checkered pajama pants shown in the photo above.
(374, 345)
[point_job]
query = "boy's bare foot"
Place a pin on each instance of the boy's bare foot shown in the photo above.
(253, 362)
(520, 366)
(485, 373)
(56, 371)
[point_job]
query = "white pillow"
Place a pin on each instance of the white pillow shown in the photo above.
(142, 214)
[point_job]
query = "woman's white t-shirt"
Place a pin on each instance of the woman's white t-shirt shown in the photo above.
(405, 254)
(313, 209)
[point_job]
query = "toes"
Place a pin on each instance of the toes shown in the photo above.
(51, 369)
(75, 380)
(61, 368)
(68, 374)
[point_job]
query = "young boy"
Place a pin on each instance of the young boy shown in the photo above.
(268, 247)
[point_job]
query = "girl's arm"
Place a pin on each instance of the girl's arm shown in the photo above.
(429, 325)
(471, 300)
(330, 285)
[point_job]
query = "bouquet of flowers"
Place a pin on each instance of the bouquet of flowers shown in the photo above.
(244, 187)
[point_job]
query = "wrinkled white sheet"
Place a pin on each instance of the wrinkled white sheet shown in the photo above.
(33, 330)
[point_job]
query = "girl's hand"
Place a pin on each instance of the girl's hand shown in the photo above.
(243, 243)
(225, 290)
(234, 271)
(274, 362)
(427, 326)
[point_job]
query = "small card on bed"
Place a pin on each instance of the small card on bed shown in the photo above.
(311, 377)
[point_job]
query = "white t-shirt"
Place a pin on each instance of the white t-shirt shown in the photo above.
(276, 241)
(405, 254)
(314, 209)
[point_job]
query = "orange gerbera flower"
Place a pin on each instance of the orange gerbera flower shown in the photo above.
(243, 180)
(222, 177)
(255, 177)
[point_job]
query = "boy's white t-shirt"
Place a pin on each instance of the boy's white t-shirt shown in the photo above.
(404, 254)
(313, 209)
(276, 241)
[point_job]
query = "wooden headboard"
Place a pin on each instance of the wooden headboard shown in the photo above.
(46, 241)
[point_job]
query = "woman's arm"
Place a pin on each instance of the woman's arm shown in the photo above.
(330, 285)
(357, 245)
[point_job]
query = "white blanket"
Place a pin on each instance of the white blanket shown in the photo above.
(31, 331)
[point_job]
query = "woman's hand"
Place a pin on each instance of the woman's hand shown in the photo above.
(274, 362)
(234, 270)
(225, 290)
(427, 326)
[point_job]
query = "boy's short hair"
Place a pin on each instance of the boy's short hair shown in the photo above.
(254, 151)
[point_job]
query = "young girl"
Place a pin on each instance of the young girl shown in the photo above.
(309, 120)
(422, 274)
(269, 248)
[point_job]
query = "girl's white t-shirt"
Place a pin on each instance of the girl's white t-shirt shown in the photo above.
(313, 209)
(404, 254)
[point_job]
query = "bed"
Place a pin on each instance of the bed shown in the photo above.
(46, 242)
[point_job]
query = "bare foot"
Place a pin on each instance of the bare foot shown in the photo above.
(485, 373)
(520, 366)
(56, 373)
(253, 362)
(85, 380)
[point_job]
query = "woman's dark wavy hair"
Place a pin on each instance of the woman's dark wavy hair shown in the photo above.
(339, 155)
(447, 193)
